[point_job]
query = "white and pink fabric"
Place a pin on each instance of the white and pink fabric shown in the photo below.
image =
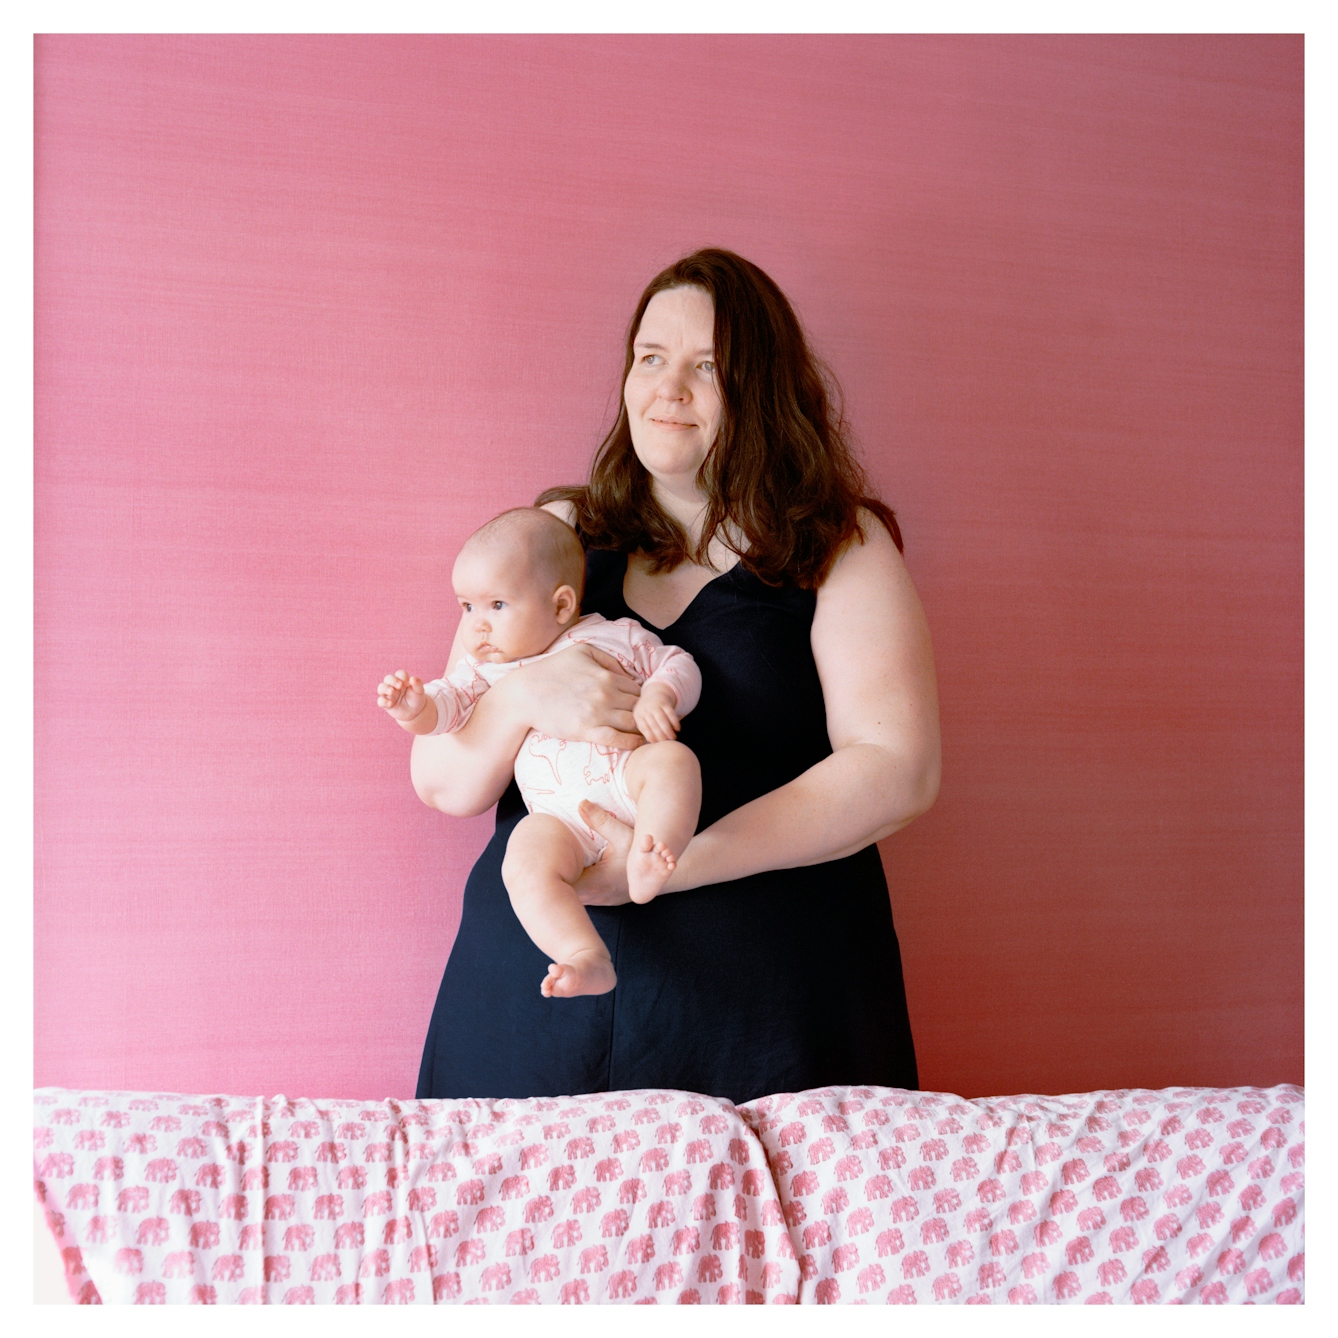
(831, 1196)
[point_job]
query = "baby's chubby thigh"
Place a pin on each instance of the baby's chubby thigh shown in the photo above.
(541, 852)
(669, 769)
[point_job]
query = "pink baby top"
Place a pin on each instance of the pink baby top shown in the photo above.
(554, 775)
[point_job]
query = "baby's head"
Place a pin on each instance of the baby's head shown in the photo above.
(519, 582)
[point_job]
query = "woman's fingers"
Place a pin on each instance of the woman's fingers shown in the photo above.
(613, 738)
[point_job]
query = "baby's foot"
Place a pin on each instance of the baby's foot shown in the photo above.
(588, 972)
(648, 868)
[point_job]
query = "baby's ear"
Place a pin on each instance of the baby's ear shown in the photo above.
(566, 603)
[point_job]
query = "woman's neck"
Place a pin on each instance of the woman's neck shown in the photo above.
(685, 503)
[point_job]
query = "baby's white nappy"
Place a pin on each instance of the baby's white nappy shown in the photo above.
(554, 775)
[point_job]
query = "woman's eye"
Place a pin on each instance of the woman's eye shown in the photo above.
(708, 366)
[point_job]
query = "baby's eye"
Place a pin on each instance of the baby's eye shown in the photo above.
(468, 608)
(498, 604)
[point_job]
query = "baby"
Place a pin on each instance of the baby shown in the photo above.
(519, 582)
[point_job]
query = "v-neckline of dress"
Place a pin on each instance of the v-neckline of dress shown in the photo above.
(687, 608)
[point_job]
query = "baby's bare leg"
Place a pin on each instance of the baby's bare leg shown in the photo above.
(543, 860)
(665, 783)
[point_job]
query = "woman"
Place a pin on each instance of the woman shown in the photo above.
(726, 514)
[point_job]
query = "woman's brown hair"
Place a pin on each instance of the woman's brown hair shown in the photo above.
(781, 477)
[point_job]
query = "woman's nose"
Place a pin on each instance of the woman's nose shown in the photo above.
(673, 385)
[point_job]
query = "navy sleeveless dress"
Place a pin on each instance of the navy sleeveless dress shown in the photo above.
(773, 983)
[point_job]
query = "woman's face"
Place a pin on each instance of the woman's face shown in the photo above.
(671, 393)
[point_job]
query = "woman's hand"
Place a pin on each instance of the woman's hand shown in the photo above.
(605, 882)
(580, 694)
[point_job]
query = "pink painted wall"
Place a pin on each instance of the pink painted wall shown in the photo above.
(310, 309)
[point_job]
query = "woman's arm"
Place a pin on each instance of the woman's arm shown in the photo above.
(581, 693)
(876, 665)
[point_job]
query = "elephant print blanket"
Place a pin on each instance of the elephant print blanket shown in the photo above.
(838, 1195)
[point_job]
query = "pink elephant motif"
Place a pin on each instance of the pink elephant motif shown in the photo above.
(181, 1264)
(566, 1234)
(577, 1291)
(661, 1214)
(187, 1202)
(545, 1268)
(152, 1231)
(128, 1261)
(471, 1251)
(1110, 1272)
(150, 1293)
(280, 1207)
(519, 1242)
(614, 1223)
(210, 1176)
(890, 1242)
(299, 1238)
(202, 1294)
(631, 1191)
(399, 1292)
(515, 1187)
(495, 1277)
(375, 1265)
(278, 1268)
(1048, 1233)
(594, 1259)
(959, 1253)
(349, 1236)
(827, 1292)
(90, 1140)
(81, 1197)
(703, 1207)
(1034, 1264)
(488, 1219)
(422, 1199)
(444, 1224)
(845, 1257)
(1067, 1286)
(325, 1268)
(621, 1285)
(725, 1236)
(990, 1275)
(228, 1268)
(351, 1293)
(530, 1157)
(668, 1275)
(1024, 1210)
(945, 1287)
(423, 1259)
(610, 1168)
(132, 1199)
(108, 1168)
(915, 1264)
(678, 1183)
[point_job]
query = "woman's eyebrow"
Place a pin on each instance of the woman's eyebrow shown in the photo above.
(707, 352)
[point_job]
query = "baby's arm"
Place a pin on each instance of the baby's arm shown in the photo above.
(402, 696)
(672, 688)
(439, 707)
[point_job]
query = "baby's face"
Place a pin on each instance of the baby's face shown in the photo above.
(508, 612)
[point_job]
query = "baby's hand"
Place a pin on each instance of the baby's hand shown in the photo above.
(655, 713)
(401, 695)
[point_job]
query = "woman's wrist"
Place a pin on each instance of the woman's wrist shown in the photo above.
(694, 865)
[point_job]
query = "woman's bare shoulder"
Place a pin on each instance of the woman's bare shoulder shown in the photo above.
(564, 511)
